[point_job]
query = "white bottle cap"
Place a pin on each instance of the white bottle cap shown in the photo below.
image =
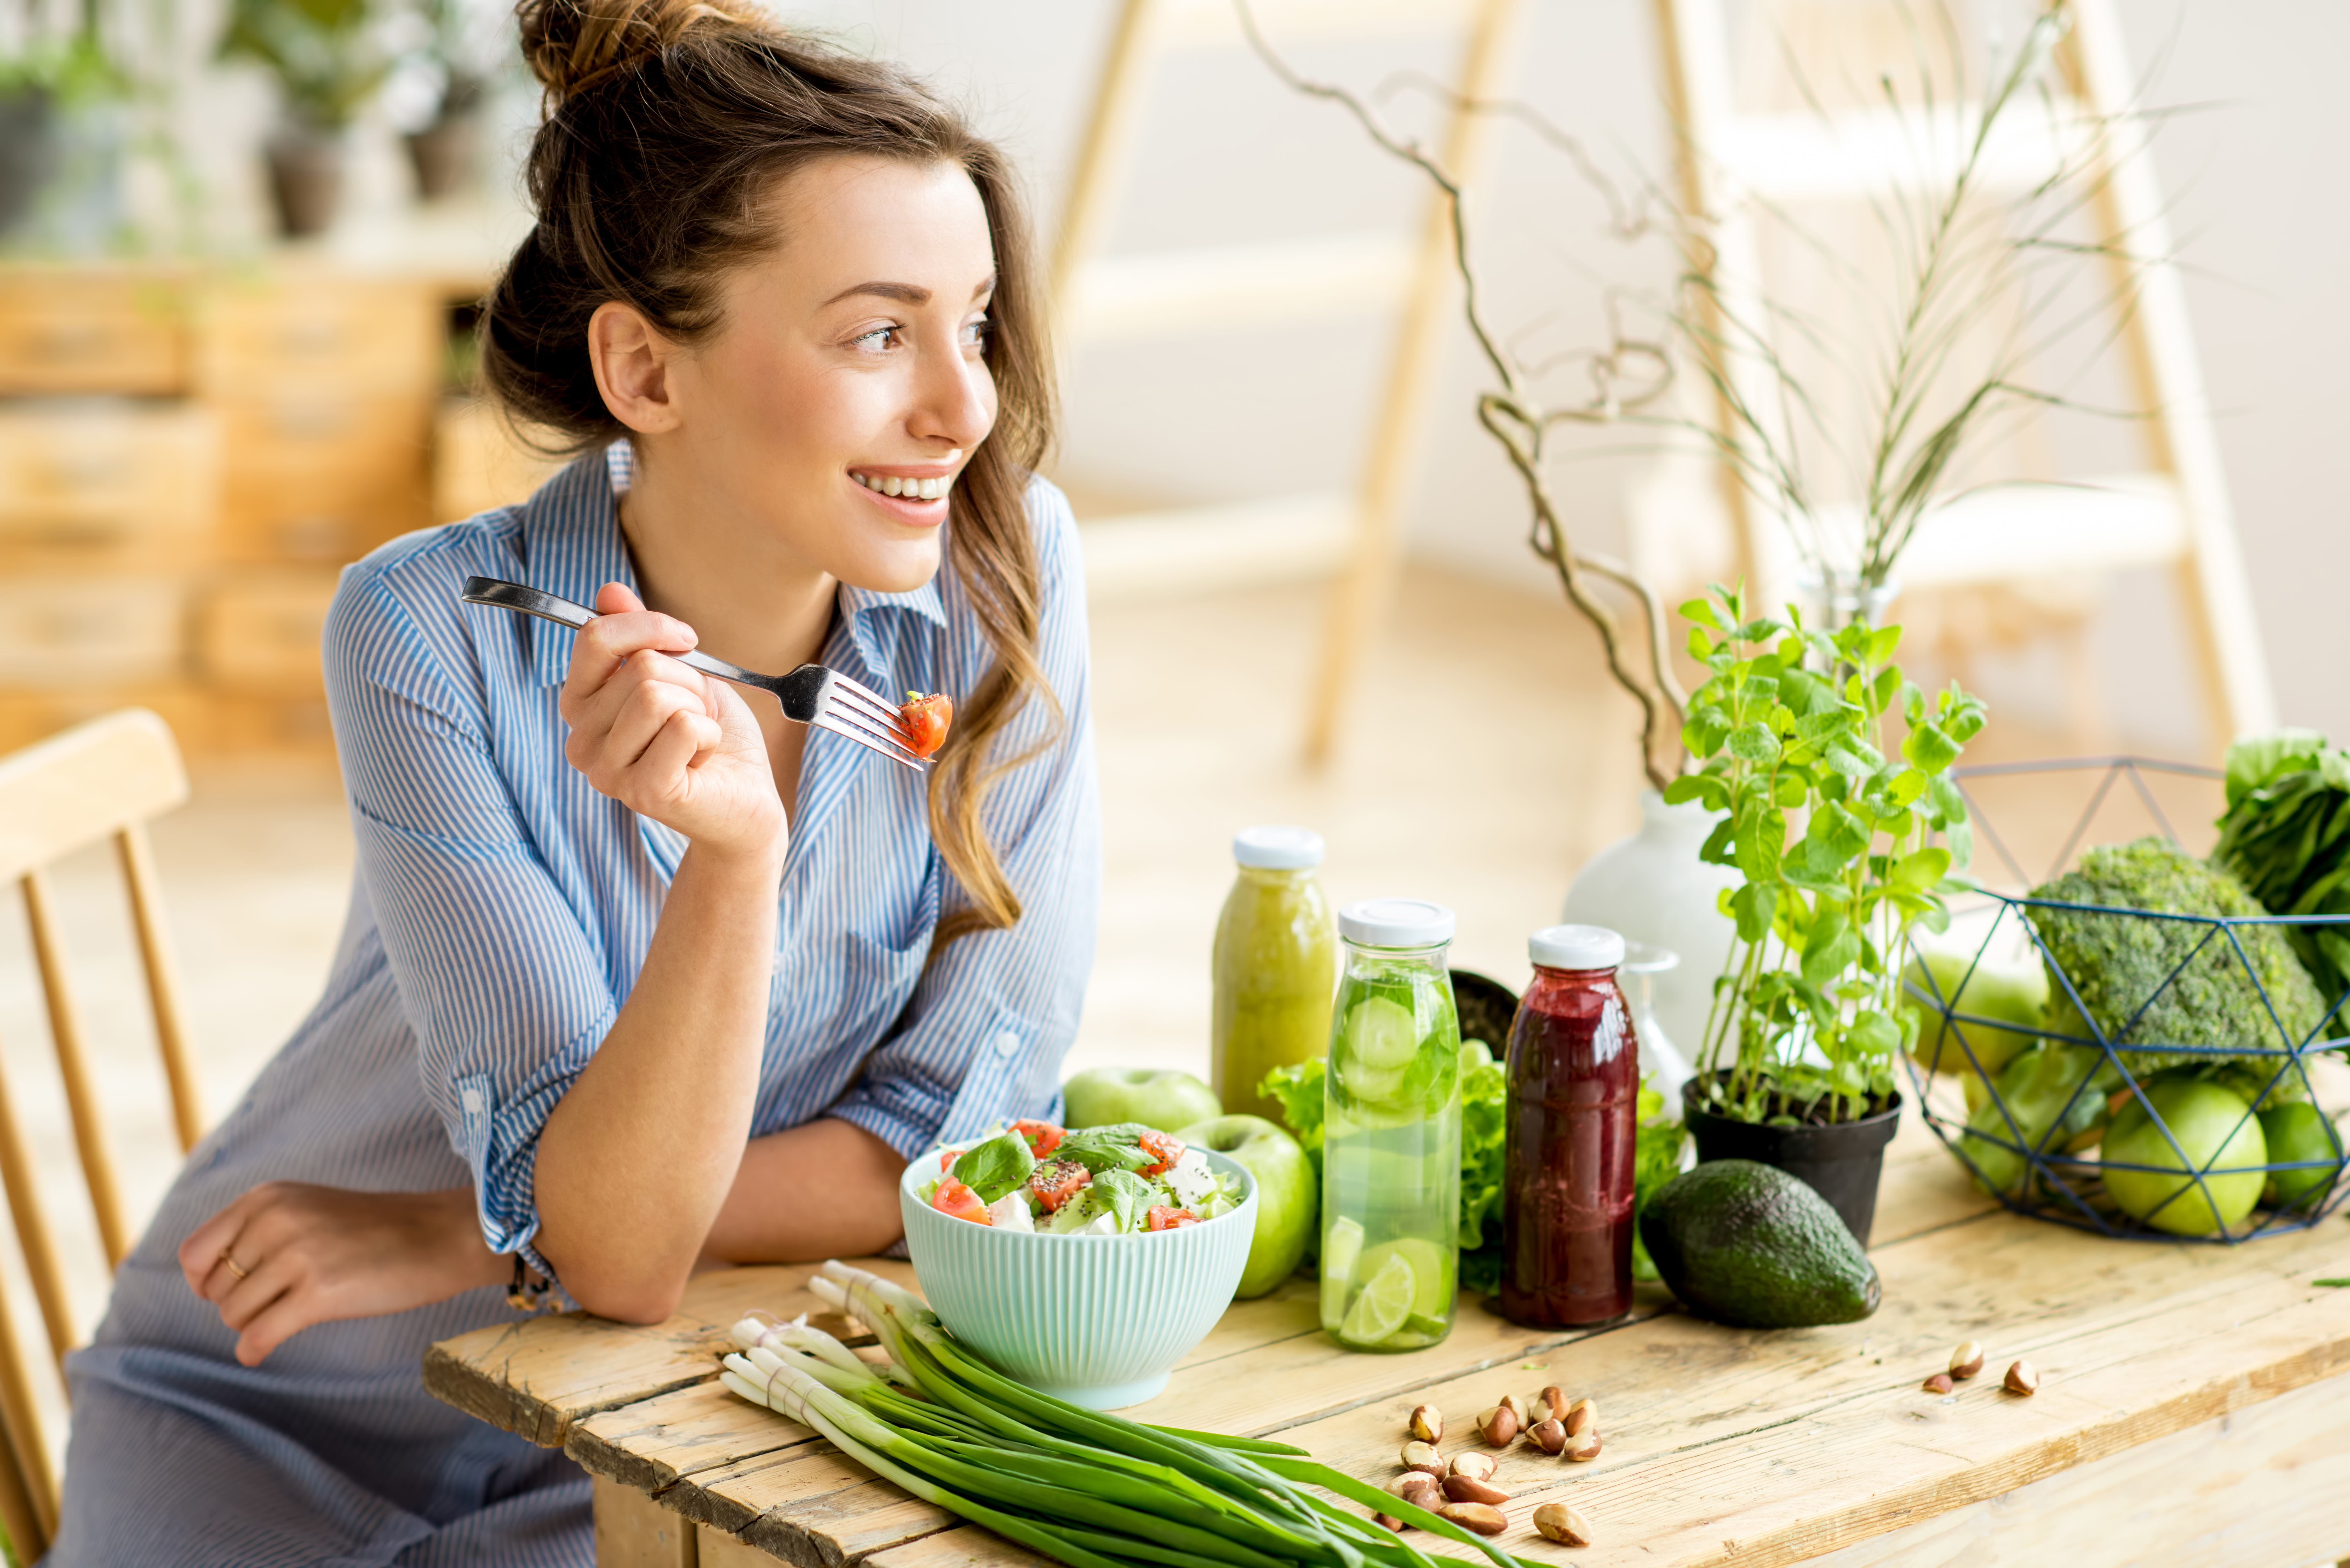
(1277, 849)
(1396, 923)
(1576, 947)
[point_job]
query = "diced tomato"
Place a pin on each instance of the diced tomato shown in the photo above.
(947, 1158)
(954, 1198)
(1043, 1137)
(1055, 1181)
(1163, 1217)
(1166, 1146)
(926, 720)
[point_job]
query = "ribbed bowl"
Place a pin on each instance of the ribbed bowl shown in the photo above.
(1095, 1319)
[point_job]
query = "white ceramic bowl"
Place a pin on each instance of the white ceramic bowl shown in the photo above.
(1095, 1319)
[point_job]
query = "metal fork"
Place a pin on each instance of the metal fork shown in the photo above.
(810, 694)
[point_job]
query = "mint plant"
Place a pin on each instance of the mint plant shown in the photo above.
(1834, 840)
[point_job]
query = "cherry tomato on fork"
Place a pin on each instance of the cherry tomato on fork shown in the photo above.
(926, 720)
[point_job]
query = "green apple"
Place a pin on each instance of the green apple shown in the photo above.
(2009, 991)
(1161, 1098)
(2295, 1133)
(2215, 1129)
(1288, 1205)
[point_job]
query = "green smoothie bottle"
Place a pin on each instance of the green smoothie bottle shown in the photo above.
(1276, 963)
(1391, 1132)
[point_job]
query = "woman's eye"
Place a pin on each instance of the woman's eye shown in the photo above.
(876, 339)
(974, 333)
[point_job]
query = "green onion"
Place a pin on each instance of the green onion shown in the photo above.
(1086, 1487)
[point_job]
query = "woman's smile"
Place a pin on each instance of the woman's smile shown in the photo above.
(912, 492)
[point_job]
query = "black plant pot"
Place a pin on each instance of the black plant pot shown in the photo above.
(1841, 1162)
(444, 154)
(28, 151)
(306, 178)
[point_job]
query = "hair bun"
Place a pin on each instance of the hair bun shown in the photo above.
(572, 44)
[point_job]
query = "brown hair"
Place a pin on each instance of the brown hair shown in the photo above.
(667, 123)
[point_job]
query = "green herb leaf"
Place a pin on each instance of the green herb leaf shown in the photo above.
(1127, 1195)
(995, 1167)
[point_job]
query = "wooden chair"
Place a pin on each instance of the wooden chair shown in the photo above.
(100, 780)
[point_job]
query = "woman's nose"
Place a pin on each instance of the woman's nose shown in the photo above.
(955, 401)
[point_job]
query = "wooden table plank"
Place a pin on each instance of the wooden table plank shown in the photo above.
(537, 1376)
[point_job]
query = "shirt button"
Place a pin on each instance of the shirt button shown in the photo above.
(1006, 1043)
(472, 1098)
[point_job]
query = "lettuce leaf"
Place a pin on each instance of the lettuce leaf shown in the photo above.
(1655, 1160)
(1484, 1143)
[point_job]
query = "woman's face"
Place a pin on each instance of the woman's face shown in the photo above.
(848, 361)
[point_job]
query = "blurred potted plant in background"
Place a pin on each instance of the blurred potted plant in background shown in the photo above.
(462, 52)
(59, 145)
(328, 61)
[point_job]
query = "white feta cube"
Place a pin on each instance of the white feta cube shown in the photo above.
(1191, 1178)
(1009, 1212)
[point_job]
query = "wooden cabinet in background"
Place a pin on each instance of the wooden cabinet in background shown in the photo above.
(185, 459)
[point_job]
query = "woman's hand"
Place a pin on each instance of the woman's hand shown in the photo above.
(667, 741)
(320, 1255)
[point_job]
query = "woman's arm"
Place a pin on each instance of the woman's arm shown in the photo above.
(823, 1190)
(640, 1152)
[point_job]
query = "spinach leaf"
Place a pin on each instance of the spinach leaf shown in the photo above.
(995, 1167)
(1117, 1147)
(1127, 1195)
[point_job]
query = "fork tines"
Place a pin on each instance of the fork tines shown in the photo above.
(848, 710)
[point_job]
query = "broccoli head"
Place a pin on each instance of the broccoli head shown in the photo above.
(2122, 965)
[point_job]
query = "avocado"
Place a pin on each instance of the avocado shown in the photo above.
(1752, 1246)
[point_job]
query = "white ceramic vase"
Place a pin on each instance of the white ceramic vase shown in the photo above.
(1653, 889)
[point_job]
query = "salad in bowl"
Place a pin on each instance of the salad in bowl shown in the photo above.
(1084, 1261)
(1116, 1181)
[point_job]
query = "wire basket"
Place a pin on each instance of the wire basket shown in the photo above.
(2034, 1134)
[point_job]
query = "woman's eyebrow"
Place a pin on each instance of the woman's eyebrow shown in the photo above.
(903, 293)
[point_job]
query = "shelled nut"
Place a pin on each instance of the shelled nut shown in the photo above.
(2021, 1378)
(1481, 1517)
(1469, 1489)
(1423, 1458)
(1548, 1436)
(1419, 1488)
(1554, 1402)
(1561, 1523)
(1388, 1521)
(1473, 1463)
(1428, 1423)
(1967, 1360)
(1582, 1416)
(1499, 1424)
(1938, 1384)
(1522, 1408)
(1583, 1447)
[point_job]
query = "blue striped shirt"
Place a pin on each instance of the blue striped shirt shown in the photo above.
(516, 903)
(500, 914)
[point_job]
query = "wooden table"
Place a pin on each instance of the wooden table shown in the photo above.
(2191, 1411)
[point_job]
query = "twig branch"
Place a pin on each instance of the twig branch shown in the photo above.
(1519, 420)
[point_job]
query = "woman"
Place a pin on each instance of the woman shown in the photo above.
(638, 975)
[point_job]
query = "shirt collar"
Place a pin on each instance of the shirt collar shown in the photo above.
(572, 545)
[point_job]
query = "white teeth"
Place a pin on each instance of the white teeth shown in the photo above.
(920, 489)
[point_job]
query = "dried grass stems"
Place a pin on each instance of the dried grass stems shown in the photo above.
(1964, 255)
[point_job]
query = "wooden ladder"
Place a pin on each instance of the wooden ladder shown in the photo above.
(2175, 513)
(1102, 299)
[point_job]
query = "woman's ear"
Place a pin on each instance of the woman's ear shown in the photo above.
(632, 361)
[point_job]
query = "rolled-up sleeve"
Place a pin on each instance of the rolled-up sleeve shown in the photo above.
(505, 989)
(995, 1011)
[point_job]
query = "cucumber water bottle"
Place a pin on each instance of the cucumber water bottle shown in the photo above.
(1391, 1131)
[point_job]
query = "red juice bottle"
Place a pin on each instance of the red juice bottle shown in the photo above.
(1574, 1109)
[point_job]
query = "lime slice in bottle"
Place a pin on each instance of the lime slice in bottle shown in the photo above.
(1382, 1305)
(1430, 1297)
